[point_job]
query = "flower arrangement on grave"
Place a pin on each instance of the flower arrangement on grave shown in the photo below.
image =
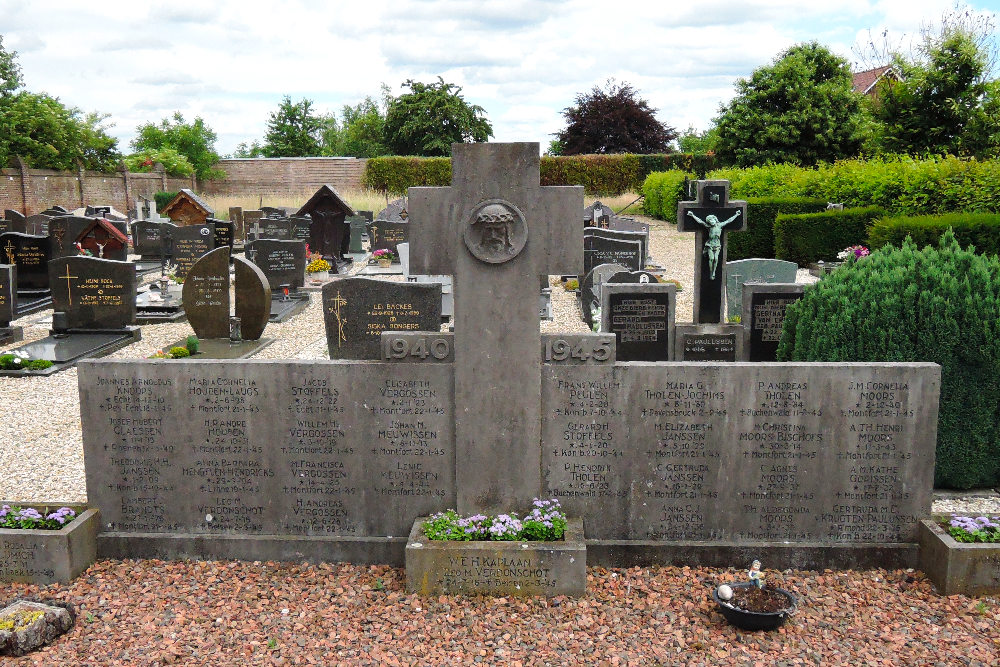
(856, 251)
(571, 285)
(546, 522)
(317, 264)
(973, 529)
(12, 362)
(384, 255)
(28, 518)
(753, 605)
(80, 250)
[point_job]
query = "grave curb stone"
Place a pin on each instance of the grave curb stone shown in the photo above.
(958, 568)
(60, 555)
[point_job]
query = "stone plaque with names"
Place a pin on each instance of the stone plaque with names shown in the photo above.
(641, 317)
(283, 262)
(708, 342)
(754, 271)
(190, 243)
(222, 233)
(357, 310)
(148, 237)
(95, 294)
(599, 249)
(387, 235)
(206, 294)
(764, 316)
(31, 254)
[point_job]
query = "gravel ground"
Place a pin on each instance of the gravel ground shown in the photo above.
(232, 613)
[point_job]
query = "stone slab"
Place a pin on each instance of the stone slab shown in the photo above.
(764, 316)
(285, 309)
(49, 556)
(958, 568)
(641, 317)
(32, 303)
(753, 270)
(436, 567)
(223, 348)
(708, 342)
(66, 350)
(206, 294)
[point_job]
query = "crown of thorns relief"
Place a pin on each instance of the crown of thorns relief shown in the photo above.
(495, 213)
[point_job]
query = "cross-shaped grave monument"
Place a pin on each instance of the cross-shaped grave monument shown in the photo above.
(496, 230)
(711, 216)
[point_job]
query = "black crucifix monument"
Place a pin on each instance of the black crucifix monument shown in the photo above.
(496, 230)
(711, 216)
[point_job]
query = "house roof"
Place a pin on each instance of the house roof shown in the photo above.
(107, 226)
(185, 193)
(864, 81)
(324, 192)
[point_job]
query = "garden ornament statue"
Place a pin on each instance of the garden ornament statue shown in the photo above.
(713, 245)
(754, 574)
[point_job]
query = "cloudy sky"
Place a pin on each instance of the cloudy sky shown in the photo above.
(524, 61)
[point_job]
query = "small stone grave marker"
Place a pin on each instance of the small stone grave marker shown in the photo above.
(708, 342)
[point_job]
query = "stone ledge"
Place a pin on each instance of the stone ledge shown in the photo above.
(958, 567)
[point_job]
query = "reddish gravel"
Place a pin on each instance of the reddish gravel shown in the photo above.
(232, 613)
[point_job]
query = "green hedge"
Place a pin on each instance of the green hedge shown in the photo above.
(939, 304)
(757, 239)
(162, 199)
(393, 175)
(809, 237)
(661, 191)
(900, 185)
(981, 230)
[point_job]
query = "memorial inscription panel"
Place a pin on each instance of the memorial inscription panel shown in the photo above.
(764, 317)
(190, 243)
(312, 448)
(825, 453)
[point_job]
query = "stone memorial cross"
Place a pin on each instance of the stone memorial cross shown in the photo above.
(711, 216)
(496, 230)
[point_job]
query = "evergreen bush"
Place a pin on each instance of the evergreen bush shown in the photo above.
(809, 237)
(162, 199)
(981, 230)
(939, 304)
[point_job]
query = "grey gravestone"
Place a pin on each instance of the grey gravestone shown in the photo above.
(359, 229)
(754, 271)
(641, 316)
(357, 310)
(251, 222)
(590, 289)
(712, 217)
(8, 294)
(31, 254)
(282, 262)
(191, 242)
(387, 235)
(395, 211)
(600, 247)
(206, 294)
(278, 229)
(764, 316)
(478, 231)
(253, 299)
(236, 217)
(37, 224)
(95, 294)
(708, 342)
(629, 225)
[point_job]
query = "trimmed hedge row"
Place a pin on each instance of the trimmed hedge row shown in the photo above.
(809, 237)
(162, 199)
(757, 238)
(981, 230)
(601, 175)
(900, 185)
(661, 191)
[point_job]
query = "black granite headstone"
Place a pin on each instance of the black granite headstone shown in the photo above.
(8, 294)
(190, 243)
(299, 227)
(764, 316)
(31, 254)
(279, 229)
(206, 294)
(357, 310)
(14, 222)
(95, 294)
(641, 316)
(602, 246)
(147, 238)
(283, 262)
(63, 231)
(222, 233)
(37, 224)
(388, 235)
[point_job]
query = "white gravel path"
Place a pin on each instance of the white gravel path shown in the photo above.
(41, 449)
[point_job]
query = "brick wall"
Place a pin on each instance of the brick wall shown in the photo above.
(285, 176)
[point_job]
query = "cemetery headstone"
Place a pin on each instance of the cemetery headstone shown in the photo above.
(206, 294)
(14, 221)
(753, 271)
(712, 217)
(8, 299)
(299, 227)
(282, 262)
(236, 217)
(708, 342)
(64, 231)
(590, 289)
(190, 244)
(251, 220)
(359, 229)
(37, 224)
(357, 310)
(31, 254)
(329, 228)
(222, 234)
(600, 249)
(641, 316)
(764, 316)
(388, 235)
(95, 294)
(278, 229)
(395, 211)
(629, 225)
(598, 215)
(253, 298)
(148, 238)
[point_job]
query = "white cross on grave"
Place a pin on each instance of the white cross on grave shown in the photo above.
(496, 230)
(712, 216)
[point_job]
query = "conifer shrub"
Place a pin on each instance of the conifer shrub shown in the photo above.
(939, 304)
(981, 230)
(809, 237)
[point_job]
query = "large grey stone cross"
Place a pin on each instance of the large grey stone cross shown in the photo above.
(712, 216)
(496, 230)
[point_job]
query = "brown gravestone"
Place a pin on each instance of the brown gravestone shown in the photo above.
(206, 295)
(253, 298)
(495, 230)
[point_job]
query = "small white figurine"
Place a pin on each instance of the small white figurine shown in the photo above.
(724, 592)
(756, 578)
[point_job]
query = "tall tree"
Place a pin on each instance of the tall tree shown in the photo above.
(430, 118)
(294, 130)
(694, 142)
(800, 109)
(363, 130)
(10, 71)
(194, 140)
(944, 100)
(613, 120)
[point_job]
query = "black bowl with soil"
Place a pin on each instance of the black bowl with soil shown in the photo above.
(756, 609)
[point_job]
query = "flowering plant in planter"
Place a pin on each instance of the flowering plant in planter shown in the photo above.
(546, 522)
(973, 529)
(857, 251)
(31, 519)
(317, 265)
(12, 362)
(385, 255)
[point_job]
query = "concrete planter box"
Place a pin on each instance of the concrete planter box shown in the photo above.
(435, 567)
(49, 556)
(958, 567)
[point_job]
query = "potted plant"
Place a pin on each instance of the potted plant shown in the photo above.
(318, 268)
(384, 257)
(46, 544)
(961, 554)
(751, 605)
(543, 553)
